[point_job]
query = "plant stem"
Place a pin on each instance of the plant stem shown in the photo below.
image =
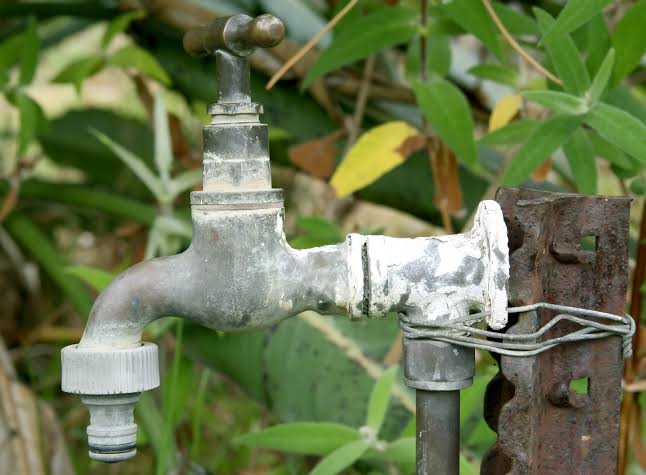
(310, 44)
(516, 46)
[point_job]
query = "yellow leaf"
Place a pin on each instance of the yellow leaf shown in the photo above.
(504, 111)
(377, 151)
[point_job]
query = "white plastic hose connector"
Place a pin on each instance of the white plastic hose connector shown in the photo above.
(109, 381)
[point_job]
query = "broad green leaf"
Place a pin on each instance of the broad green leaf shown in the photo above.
(495, 72)
(377, 151)
(465, 467)
(638, 187)
(341, 458)
(308, 438)
(163, 148)
(625, 99)
(32, 119)
(379, 399)
(505, 111)
(387, 27)
(581, 156)
(29, 52)
(560, 102)
(565, 57)
(629, 41)
(575, 13)
(511, 134)
(600, 81)
(448, 111)
(39, 247)
(10, 50)
(318, 232)
(548, 136)
(517, 23)
(619, 128)
(597, 44)
(76, 72)
(132, 56)
(400, 451)
(473, 17)
(614, 155)
(185, 181)
(134, 163)
(119, 24)
(98, 279)
(438, 56)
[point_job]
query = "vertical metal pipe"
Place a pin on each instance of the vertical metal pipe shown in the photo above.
(438, 432)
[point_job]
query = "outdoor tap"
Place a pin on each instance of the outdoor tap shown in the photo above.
(240, 274)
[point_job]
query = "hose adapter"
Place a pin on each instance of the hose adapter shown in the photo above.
(109, 381)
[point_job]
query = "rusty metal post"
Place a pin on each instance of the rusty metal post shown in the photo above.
(545, 424)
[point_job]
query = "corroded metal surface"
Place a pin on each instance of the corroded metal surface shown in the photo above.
(543, 424)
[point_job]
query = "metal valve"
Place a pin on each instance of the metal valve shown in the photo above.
(237, 34)
(231, 39)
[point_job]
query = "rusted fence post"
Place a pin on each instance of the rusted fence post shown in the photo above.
(544, 423)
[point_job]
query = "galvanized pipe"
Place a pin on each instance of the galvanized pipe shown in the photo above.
(438, 432)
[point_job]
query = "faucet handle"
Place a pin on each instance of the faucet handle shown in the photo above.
(238, 34)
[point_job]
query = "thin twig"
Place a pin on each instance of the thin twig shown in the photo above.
(310, 44)
(519, 49)
(362, 99)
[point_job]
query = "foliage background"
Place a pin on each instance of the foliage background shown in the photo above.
(396, 122)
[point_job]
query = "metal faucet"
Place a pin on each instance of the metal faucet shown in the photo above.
(240, 274)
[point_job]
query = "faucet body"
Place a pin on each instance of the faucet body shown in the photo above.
(240, 274)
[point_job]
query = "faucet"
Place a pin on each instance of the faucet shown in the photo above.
(240, 274)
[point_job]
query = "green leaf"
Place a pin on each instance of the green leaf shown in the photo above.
(629, 41)
(598, 42)
(39, 247)
(185, 181)
(134, 163)
(132, 56)
(163, 149)
(619, 128)
(400, 451)
(119, 24)
(547, 137)
(574, 14)
(638, 187)
(448, 111)
(76, 72)
(438, 56)
(29, 52)
(379, 399)
(600, 81)
(581, 156)
(341, 458)
(614, 155)
(98, 279)
(308, 438)
(559, 102)
(495, 72)
(465, 467)
(32, 119)
(318, 232)
(385, 28)
(511, 134)
(565, 57)
(10, 50)
(517, 23)
(473, 17)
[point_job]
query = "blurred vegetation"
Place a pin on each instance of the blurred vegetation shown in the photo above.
(399, 120)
